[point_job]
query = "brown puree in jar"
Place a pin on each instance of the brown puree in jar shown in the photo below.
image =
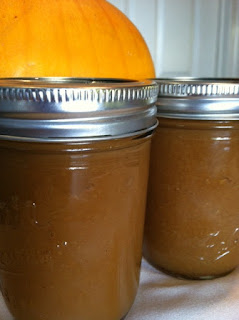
(71, 227)
(192, 220)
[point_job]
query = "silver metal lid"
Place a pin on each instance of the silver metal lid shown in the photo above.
(199, 99)
(66, 109)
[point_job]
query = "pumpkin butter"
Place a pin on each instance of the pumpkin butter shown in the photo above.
(192, 221)
(72, 217)
(71, 225)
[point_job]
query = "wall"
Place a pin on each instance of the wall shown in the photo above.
(188, 37)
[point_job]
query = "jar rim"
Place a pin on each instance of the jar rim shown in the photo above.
(198, 98)
(75, 108)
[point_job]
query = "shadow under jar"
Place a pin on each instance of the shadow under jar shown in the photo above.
(74, 157)
(192, 217)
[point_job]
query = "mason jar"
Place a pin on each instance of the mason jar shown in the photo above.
(74, 158)
(192, 220)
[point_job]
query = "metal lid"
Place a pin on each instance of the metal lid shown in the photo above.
(199, 99)
(66, 109)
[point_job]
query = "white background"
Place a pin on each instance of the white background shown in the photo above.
(188, 37)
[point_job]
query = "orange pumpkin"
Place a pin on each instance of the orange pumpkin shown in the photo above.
(75, 38)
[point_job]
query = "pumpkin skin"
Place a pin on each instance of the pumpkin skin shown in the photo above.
(70, 38)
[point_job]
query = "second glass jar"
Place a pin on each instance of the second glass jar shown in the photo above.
(192, 221)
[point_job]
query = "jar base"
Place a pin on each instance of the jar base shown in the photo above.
(124, 317)
(188, 277)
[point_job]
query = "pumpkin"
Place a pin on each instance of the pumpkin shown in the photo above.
(73, 38)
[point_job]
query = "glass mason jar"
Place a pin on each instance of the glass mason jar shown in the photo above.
(192, 220)
(74, 157)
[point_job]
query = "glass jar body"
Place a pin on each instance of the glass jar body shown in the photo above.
(192, 221)
(71, 227)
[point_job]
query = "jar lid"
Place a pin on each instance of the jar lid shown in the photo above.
(198, 98)
(66, 109)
